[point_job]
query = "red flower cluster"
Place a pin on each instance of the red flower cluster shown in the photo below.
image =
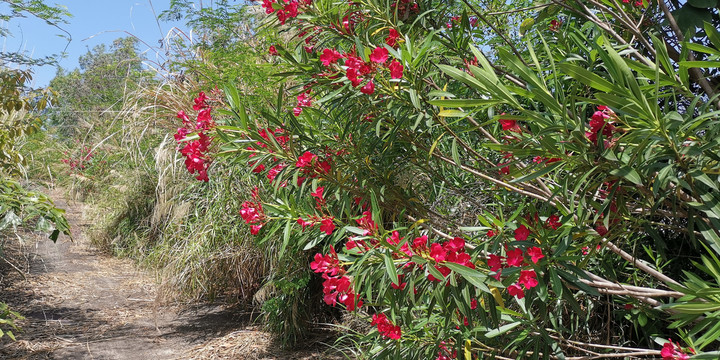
(515, 258)
(252, 212)
(289, 8)
(327, 224)
(450, 251)
(303, 100)
(337, 288)
(455, 20)
(673, 351)
(444, 353)
(392, 38)
(358, 71)
(599, 125)
(85, 157)
(555, 24)
(312, 166)
(637, 3)
(405, 7)
(195, 152)
(553, 221)
(385, 327)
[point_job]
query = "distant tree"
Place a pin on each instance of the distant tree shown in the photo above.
(96, 89)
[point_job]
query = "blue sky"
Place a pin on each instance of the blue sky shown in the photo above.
(94, 22)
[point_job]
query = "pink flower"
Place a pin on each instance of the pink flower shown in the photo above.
(255, 229)
(510, 125)
(385, 327)
(515, 258)
(528, 279)
(521, 233)
(318, 193)
(379, 55)
(306, 159)
(304, 223)
(391, 39)
(516, 290)
(495, 262)
(329, 56)
(673, 351)
(553, 222)
(396, 70)
(369, 88)
(437, 252)
(200, 102)
(327, 226)
(535, 254)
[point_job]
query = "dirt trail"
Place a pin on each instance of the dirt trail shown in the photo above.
(82, 304)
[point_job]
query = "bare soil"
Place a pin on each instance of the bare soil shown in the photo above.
(80, 303)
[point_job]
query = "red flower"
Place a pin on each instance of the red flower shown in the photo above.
(495, 262)
(327, 226)
(318, 193)
(330, 56)
(516, 290)
(401, 285)
(396, 70)
(272, 50)
(326, 264)
(379, 55)
(369, 88)
(437, 252)
(304, 223)
(200, 102)
(554, 222)
(505, 170)
(255, 229)
(510, 125)
(515, 258)
(521, 233)
(473, 304)
(528, 279)
(420, 243)
(535, 254)
(385, 327)
(673, 351)
(555, 25)
(491, 233)
(305, 160)
(391, 39)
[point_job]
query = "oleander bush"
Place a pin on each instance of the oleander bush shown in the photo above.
(483, 179)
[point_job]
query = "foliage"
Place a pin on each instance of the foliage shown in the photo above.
(225, 46)
(54, 16)
(474, 192)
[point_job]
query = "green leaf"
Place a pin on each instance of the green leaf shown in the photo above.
(526, 25)
(712, 34)
(463, 102)
(390, 269)
(695, 308)
(703, 4)
(503, 329)
(532, 176)
(472, 276)
(628, 173)
(699, 64)
(590, 79)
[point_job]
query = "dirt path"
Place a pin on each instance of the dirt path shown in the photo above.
(82, 304)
